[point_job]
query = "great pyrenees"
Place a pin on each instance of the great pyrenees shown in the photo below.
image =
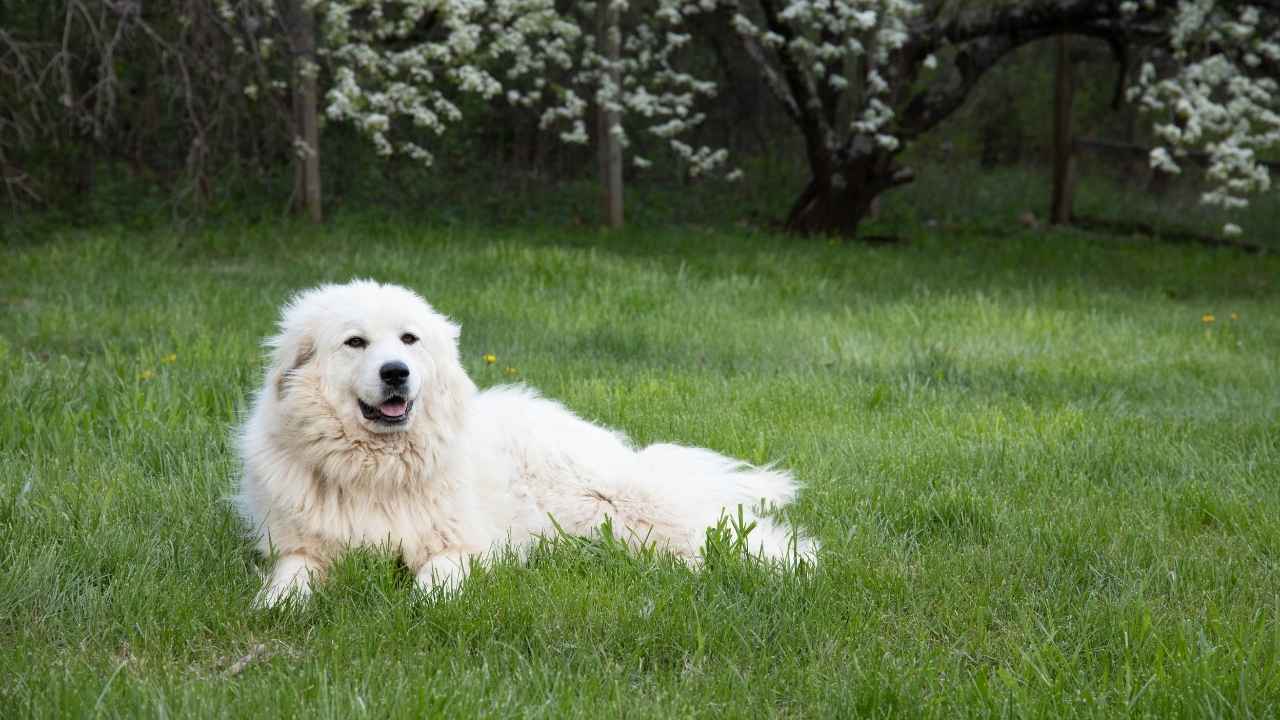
(367, 431)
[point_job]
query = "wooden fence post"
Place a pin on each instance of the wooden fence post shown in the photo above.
(1064, 89)
(609, 146)
(301, 30)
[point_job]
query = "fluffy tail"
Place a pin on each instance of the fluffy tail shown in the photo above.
(690, 489)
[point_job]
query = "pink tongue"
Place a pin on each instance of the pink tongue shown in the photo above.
(393, 408)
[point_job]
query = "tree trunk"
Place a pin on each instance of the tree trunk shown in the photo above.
(306, 117)
(838, 206)
(830, 210)
(1064, 89)
(608, 145)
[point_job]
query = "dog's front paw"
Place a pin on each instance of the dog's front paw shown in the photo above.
(444, 573)
(276, 594)
(290, 581)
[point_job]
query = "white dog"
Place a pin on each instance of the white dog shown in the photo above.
(367, 431)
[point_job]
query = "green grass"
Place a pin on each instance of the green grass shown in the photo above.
(1044, 485)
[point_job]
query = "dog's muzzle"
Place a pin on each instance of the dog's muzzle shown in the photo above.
(392, 411)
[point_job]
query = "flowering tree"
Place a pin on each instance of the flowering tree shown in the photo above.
(838, 68)
(1223, 96)
(863, 78)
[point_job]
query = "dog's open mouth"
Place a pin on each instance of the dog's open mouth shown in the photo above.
(392, 411)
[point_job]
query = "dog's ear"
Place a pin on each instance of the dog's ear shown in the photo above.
(451, 389)
(292, 352)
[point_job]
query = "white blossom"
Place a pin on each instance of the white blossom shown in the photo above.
(827, 36)
(1215, 98)
(399, 67)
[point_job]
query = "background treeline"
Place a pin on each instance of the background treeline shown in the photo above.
(109, 106)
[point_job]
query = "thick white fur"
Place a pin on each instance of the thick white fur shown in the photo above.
(468, 472)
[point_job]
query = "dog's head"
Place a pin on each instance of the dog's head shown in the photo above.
(378, 357)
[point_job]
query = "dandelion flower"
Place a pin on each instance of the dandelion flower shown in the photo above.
(146, 375)
(1235, 316)
(1207, 319)
(511, 371)
(169, 359)
(490, 358)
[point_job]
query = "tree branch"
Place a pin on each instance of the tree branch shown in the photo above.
(818, 137)
(776, 86)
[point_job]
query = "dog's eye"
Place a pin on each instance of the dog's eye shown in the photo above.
(408, 338)
(356, 342)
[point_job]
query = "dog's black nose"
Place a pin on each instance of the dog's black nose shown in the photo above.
(394, 373)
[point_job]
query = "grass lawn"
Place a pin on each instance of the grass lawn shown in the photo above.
(1046, 486)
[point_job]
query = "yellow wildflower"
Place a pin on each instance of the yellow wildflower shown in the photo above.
(490, 358)
(146, 375)
(511, 371)
(1207, 319)
(169, 359)
(1235, 316)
